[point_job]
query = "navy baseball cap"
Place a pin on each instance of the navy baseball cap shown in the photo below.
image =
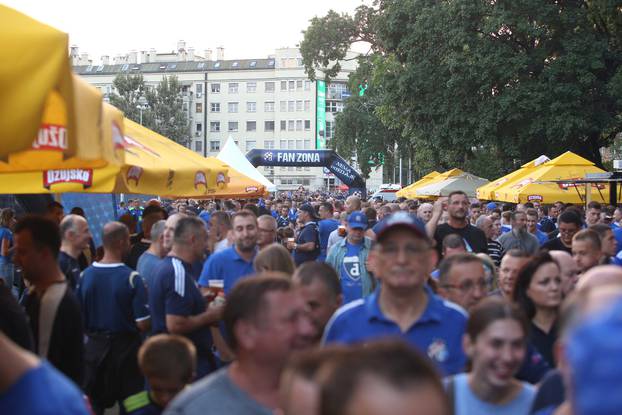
(402, 220)
(595, 357)
(357, 220)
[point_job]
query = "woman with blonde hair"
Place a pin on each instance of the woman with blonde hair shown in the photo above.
(274, 257)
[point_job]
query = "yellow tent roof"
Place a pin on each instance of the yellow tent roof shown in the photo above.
(409, 191)
(239, 185)
(567, 166)
(486, 192)
(439, 178)
(35, 66)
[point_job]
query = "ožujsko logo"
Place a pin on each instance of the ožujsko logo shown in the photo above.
(200, 179)
(51, 137)
(251, 189)
(80, 176)
(134, 173)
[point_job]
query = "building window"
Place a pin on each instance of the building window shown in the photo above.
(307, 125)
(291, 125)
(215, 88)
(199, 127)
(334, 106)
(268, 106)
(298, 125)
(251, 87)
(298, 144)
(269, 144)
(199, 89)
(292, 85)
(291, 144)
(283, 146)
(233, 87)
(306, 182)
(214, 126)
(307, 105)
(307, 85)
(298, 169)
(251, 125)
(283, 85)
(269, 86)
(283, 125)
(214, 146)
(198, 107)
(330, 129)
(198, 146)
(232, 126)
(232, 106)
(291, 106)
(299, 106)
(214, 107)
(299, 85)
(307, 144)
(268, 126)
(283, 106)
(250, 144)
(251, 106)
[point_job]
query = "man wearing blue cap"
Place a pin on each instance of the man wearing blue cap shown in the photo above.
(349, 258)
(404, 305)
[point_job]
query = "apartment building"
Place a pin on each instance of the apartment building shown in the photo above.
(262, 103)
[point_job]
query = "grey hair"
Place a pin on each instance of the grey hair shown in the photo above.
(157, 230)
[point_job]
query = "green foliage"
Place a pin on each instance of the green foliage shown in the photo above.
(483, 85)
(163, 112)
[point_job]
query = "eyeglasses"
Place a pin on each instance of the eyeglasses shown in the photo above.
(468, 286)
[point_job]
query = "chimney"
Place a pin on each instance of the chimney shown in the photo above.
(191, 54)
(133, 57)
(105, 60)
(220, 53)
(208, 54)
(152, 55)
(144, 58)
(181, 45)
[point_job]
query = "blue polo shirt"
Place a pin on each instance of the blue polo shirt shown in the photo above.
(174, 292)
(226, 265)
(326, 226)
(437, 333)
(113, 297)
(542, 237)
(309, 233)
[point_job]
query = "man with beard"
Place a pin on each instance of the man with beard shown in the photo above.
(519, 237)
(231, 264)
(458, 207)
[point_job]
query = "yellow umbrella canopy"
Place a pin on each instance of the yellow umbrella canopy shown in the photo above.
(237, 186)
(437, 179)
(532, 187)
(487, 191)
(409, 191)
(35, 69)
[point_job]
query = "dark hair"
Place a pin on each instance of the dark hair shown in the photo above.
(532, 212)
(393, 362)
(588, 235)
(491, 309)
(594, 205)
(371, 214)
(327, 206)
(601, 229)
(153, 209)
(185, 226)
(517, 253)
(168, 356)
(523, 281)
(243, 214)
(223, 218)
(570, 216)
(44, 232)
(274, 257)
(77, 210)
(246, 301)
(528, 205)
(448, 263)
(457, 192)
(54, 205)
(6, 215)
(252, 208)
(515, 213)
(476, 205)
(453, 240)
(318, 271)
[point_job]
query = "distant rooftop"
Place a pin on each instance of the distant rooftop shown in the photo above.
(185, 66)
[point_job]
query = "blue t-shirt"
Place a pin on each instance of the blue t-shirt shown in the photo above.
(292, 215)
(5, 233)
(112, 299)
(226, 265)
(326, 226)
(147, 266)
(70, 267)
(308, 234)
(350, 274)
(205, 216)
(174, 292)
(617, 233)
(43, 390)
(467, 403)
(437, 333)
(542, 237)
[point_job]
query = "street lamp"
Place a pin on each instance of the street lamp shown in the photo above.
(142, 105)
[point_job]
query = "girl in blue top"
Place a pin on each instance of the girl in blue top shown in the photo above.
(495, 342)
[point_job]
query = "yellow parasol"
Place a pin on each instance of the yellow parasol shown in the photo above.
(35, 69)
(437, 179)
(487, 191)
(532, 187)
(409, 191)
(238, 185)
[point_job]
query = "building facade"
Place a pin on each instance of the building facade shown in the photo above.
(262, 103)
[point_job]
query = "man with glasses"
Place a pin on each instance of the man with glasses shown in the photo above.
(569, 223)
(404, 305)
(462, 280)
(266, 231)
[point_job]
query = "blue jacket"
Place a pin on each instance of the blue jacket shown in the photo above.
(338, 252)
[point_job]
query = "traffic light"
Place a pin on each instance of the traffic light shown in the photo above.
(362, 88)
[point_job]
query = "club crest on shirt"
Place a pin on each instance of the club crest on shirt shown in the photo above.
(437, 351)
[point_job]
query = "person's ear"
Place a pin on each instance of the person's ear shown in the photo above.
(245, 334)
(468, 346)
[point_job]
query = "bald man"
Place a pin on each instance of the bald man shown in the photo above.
(569, 270)
(75, 237)
(602, 275)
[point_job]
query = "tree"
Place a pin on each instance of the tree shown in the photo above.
(166, 115)
(128, 89)
(467, 81)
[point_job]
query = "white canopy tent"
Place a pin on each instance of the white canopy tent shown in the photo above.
(233, 156)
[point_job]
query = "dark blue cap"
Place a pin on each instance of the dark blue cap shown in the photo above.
(402, 220)
(357, 220)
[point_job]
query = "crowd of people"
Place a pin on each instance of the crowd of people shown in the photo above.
(312, 304)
